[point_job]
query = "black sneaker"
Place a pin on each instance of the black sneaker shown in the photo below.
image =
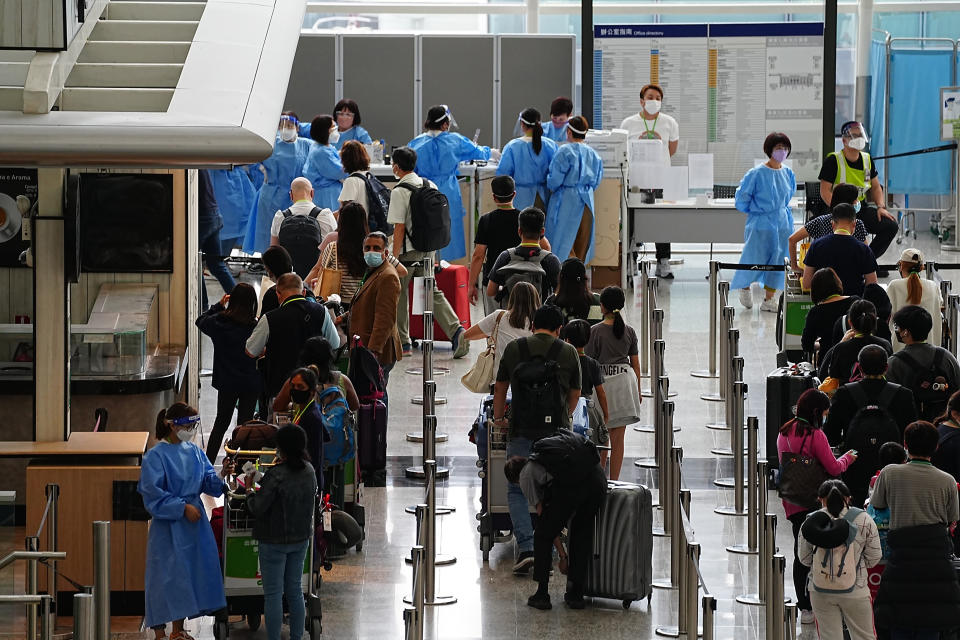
(574, 601)
(524, 563)
(541, 602)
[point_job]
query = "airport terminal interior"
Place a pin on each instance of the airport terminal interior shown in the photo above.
(159, 158)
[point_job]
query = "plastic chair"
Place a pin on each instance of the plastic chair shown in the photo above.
(813, 203)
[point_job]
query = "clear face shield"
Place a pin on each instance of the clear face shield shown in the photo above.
(287, 129)
(448, 115)
(855, 136)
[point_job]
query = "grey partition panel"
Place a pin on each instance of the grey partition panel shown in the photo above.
(312, 87)
(379, 72)
(534, 70)
(459, 71)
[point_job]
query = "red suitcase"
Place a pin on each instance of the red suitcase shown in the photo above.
(453, 282)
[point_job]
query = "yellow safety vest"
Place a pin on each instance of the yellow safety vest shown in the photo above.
(857, 177)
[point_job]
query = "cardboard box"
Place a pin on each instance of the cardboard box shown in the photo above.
(601, 277)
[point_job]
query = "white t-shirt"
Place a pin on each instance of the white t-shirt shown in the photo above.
(664, 125)
(355, 190)
(327, 222)
(930, 300)
(506, 333)
(399, 212)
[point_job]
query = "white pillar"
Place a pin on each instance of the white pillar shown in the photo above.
(863, 87)
(533, 16)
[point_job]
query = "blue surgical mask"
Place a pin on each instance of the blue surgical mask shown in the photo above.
(856, 206)
(373, 258)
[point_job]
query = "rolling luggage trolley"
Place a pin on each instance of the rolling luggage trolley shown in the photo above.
(242, 584)
(494, 517)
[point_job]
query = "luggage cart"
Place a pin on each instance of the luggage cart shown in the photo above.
(494, 517)
(242, 583)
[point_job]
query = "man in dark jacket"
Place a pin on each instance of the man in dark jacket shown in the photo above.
(563, 479)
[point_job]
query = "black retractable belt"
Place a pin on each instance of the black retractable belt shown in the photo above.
(917, 152)
(751, 267)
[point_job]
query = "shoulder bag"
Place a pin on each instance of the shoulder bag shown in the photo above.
(329, 281)
(481, 374)
(800, 477)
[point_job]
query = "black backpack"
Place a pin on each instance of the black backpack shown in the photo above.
(365, 373)
(872, 426)
(567, 456)
(522, 268)
(930, 387)
(301, 237)
(378, 202)
(539, 402)
(429, 217)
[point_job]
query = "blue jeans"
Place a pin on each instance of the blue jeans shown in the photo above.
(281, 567)
(517, 503)
(209, 242)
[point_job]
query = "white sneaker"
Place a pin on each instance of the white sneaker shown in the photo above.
(746, 298)
(663, 269)
(770, 304)
(807, 617)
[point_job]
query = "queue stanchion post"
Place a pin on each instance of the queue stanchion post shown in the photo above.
(430, 598)
(656, 333)
(767, 548)
(711, 370)
(666, 487)
(709, 607)
(673, 522)
(682, 573)
(645, 308)
(739, 393)
(726, 323)
(953, 320)
(753, 491)
(735, 375)
(774, 605)
(657, 349)
(790, 621)
(428, 370)
(693, 587)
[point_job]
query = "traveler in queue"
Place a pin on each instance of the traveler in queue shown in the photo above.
(829, 305)
(323, 167)
(575, 173)
(821, 225)
(284, 164)
(854, 166)
(651, 124)
(764, 195)
(527, 160)
(852, 260)
(439, 154)
(560, 111)
(912, 288)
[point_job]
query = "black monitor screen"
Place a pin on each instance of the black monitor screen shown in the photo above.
(126, 222)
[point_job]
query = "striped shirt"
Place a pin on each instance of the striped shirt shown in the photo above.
(917, 493)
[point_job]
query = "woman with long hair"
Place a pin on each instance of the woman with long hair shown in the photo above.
(826, 291)
(235, 377)
(861, 323)
(318, 353)
(508, 325)
(527, 160)
(183, 578)
(573, 295)
(913, 289)
(804, 435)
(613, 343)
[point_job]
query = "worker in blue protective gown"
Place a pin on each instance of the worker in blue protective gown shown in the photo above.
(560, 111)
(286, 163)
(527, 160)
(183, 577)
(348, 118)
(439, 154)
(235, 194)
(323, 168)
(764, 195)
(575, 173)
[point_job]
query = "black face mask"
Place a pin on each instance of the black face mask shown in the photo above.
(300, 396)
(899, 339)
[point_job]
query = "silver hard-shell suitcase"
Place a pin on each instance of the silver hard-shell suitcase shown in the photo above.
(621, 566)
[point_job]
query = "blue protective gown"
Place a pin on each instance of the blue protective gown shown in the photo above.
(183, 578)
(557, 135)
(325, 172)
(235, 195)
(438, 158)
(285, 164)
(575, 173)
(528, 169)
(764, 195)
(357, 133)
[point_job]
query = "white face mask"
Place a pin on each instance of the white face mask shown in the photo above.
(651, 106)
(288, 135)
(334, 137)
(858, 143)
(187, 435)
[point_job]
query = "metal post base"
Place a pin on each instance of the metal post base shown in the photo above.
(649, 394)
(711, 397)
(718, 426)
(753, 599)
(704, 373)
(726, 483)
(442, 509)
(437, 400)
(742, 549)
(729, 511)
(437, 371)
(663, 584)
(438, 601)
(724, 451)
(646, 463)
(649, 428)
(674, 632)
(417, 472)
(443, 560)
(418, 437)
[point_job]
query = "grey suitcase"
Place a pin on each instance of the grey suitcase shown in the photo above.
(621, 567)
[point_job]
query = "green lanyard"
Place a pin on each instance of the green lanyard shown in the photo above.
(655, 120)
(288, 300)
(298, 415)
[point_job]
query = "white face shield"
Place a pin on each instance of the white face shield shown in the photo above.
(287, 129)
(448, 115)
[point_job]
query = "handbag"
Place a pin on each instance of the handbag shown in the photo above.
(481, 374)
(800, 477)
(328, 283)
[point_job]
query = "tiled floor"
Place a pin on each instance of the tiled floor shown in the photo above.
(362, 595)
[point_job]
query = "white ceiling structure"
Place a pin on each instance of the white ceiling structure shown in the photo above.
(153, 84)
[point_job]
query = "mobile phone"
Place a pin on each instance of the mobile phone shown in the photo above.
(854, 452)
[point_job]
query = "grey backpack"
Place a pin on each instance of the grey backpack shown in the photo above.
(522, 269)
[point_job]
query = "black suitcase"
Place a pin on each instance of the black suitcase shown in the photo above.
(784, 386)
